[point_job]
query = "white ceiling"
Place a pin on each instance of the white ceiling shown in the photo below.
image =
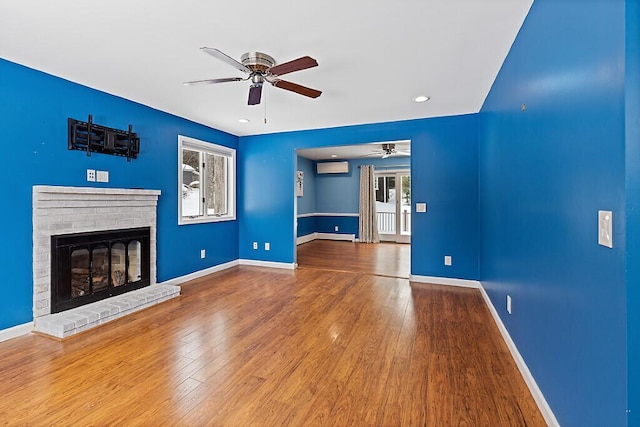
(374, 55)
(359, 151)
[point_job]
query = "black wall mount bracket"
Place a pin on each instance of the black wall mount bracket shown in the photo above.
(90, 137)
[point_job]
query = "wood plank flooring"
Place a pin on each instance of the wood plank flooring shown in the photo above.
(384, 259)
(253, 346)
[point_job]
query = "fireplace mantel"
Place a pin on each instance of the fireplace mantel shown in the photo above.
(64, 210)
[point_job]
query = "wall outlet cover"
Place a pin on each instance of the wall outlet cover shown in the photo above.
(203, 253)
(102, 176)
(255, 245)
(91, 175)
(267, 246)
(447, 260)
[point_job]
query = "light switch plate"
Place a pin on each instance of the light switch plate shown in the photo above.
(421, 207)
(605, 228)
(447, 260)
(102, 176)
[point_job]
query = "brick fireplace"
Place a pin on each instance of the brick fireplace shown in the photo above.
(72, 210)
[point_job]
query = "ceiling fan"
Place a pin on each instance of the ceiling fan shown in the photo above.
(261, 68)
(387, 150)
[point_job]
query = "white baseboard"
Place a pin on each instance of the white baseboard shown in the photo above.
(16, 331)
(544, 407)
(304, 239)
(326, 236)
(270, 264)
(336, 236)
(445, 281)
(201, 273)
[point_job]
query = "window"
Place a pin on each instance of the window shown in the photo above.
(206, 180)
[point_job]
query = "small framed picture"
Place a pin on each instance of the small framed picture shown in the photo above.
(299, 183)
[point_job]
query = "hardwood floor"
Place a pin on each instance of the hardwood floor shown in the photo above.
(383, 259)
(265, 347)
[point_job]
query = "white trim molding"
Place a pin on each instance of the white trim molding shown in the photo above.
(542, 403)
(305, 215)
(445, 281)
(304, 239)
(325, 236)
(16, 331)
(270, 264)
(200, 273)
(336, 236)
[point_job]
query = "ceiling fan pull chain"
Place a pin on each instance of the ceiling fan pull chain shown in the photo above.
(265, 108)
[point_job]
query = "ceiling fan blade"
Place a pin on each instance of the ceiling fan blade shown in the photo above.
(226, 58)
(255, 93)
(212, 81)
(294, 87)
(295, 65)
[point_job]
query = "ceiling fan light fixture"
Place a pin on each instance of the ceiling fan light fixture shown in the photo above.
(421, 98)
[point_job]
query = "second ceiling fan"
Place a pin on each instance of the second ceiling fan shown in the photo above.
(261, 68)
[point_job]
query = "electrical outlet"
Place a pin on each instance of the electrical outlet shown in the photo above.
(447, 260)
(255, 245)
(335, 228)
(102, 176)
(203, 253)
(91, 175)
(267, 246)
(509, 304)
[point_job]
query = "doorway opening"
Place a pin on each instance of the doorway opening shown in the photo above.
(326, 199)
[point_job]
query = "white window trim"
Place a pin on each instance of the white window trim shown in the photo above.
(211, 148)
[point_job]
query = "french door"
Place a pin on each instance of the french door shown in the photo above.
(393, 206)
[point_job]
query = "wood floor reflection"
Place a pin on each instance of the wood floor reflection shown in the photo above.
(266, 347)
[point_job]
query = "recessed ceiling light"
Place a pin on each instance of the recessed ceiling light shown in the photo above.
(421, 98)
(244, 120)
(333, 156)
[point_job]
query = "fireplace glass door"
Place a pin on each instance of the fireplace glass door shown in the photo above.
(87, 267)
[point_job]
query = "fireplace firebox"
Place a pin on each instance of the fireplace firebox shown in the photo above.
(87, 267)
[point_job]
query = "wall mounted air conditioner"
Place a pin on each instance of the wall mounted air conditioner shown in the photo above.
(332, 167)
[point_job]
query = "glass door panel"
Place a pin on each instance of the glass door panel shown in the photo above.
(118, 264)
(100, 267)
(80, 272)
(135, 259)
(393, 206)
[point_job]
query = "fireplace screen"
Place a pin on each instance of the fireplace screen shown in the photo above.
(87, 267)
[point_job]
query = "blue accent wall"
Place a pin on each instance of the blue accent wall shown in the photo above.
(632, 122)
(444, 166)
(34, 108)
(307, 203)
(544, 174)
(339, 193)
(345, 224)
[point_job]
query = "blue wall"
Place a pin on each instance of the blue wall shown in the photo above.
(444, 166)
(339, 193)
(632, 121)
(544, 174)
(307, 203)
(34, 108)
